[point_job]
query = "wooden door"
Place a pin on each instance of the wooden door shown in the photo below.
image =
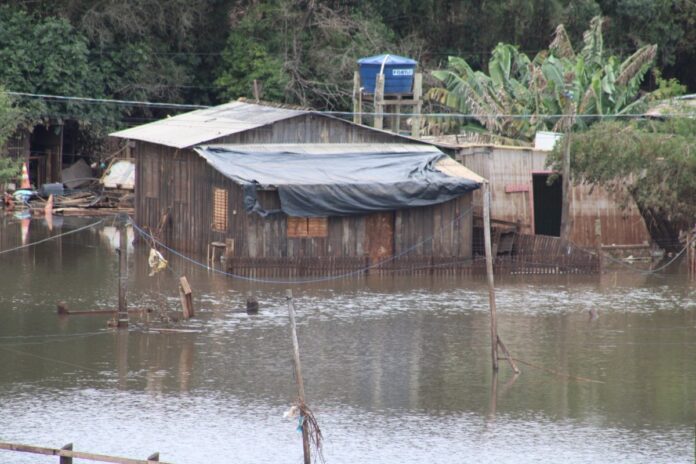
(379, 235)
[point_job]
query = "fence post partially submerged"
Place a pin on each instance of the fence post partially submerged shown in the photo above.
(122, 278)
(495, 339)
(298, 377)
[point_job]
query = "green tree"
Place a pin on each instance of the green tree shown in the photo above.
(650, 162)
(45, 56)
(9, 115)
(303, 53)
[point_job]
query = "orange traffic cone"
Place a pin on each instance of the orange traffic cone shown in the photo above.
(24, 181)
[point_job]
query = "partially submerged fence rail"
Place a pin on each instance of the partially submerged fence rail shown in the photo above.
(66, 454)
(521, 254)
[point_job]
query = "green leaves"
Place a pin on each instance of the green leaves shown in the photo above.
(556, 82)
(44, 56)
(650, 162)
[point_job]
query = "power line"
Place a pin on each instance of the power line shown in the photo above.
(106, 101)
(89, 100)
(52, 237)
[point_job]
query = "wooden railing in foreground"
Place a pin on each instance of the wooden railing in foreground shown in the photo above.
(66, 454)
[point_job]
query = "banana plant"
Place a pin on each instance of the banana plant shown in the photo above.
(520, 96)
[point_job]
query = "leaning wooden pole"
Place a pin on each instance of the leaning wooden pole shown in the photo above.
(298, 375)
(489, 273)
(495, 339)
(122, 278)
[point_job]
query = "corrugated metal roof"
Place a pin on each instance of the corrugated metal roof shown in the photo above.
(196, 127)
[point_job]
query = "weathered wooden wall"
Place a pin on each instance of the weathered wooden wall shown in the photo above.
(511, 168)
(178, 185)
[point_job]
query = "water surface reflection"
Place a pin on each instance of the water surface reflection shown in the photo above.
(396, 368)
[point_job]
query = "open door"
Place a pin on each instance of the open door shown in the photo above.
(547, 204)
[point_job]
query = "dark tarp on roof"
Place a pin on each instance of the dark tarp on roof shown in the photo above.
(319, 180)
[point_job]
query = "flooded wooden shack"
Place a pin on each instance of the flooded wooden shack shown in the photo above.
(523, 198)
(193, 207)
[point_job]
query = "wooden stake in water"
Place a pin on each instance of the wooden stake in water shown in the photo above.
(298, 373)
(495, 339)
(122, 278)
(489, 273)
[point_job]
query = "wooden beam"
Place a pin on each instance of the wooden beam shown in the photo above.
(69, 453)
(417, 104)
(357, 99)
(379, 102)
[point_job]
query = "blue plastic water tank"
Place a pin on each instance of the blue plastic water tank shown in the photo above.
(398, 73)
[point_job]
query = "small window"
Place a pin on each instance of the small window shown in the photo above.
(307, 227)
(219, 209)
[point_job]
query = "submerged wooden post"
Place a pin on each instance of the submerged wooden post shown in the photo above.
(186, 296)
(489, 272)
(298, 373)
(495, 339)
(66, 459)
(122, 278)
(598, 242)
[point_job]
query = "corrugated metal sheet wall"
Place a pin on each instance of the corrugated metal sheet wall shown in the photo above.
(509, 170)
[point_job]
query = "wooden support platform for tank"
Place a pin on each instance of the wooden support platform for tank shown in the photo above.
(382, 102)
(66, 454)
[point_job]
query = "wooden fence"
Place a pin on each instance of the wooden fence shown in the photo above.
(517, 254)
(66, 454)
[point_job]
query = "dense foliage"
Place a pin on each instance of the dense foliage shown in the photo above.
(303, 52)
(9, 115)
(514, 98)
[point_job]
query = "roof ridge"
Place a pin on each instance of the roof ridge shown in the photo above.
(270, 104)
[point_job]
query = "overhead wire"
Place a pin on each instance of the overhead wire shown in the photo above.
(52, 237)
(145, 103)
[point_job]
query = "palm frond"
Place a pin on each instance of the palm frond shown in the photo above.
(561, 45)
(635, 65)
(593, 49)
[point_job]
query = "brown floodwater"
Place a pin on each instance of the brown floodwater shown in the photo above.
(397, 369)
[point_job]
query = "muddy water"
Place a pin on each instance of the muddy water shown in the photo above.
(396, 369)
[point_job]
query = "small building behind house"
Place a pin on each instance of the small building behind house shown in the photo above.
(281, 186)
(522, 196)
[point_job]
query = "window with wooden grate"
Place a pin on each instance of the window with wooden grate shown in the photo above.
(307, 227)
(219, 209)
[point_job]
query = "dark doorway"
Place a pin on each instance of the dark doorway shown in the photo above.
(547, 205)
